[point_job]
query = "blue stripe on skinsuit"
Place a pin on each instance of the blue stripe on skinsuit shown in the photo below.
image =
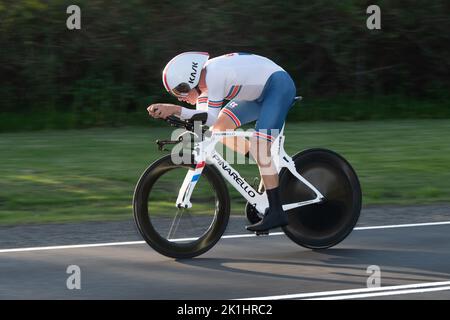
(196, 177)
(229, 97)
(231, 90)
(237, 93)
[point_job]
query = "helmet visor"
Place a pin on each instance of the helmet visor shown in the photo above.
(181, 90)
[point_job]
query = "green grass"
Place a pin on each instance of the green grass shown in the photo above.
(81, 175)
(336, 108)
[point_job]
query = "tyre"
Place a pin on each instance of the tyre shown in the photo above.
(325, 224)
(179, 232)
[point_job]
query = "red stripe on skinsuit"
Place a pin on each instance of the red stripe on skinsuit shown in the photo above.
(233, 116)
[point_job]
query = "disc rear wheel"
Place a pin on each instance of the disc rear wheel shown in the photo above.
(327, 223)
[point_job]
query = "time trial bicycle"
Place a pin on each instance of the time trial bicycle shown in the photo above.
(182, 204)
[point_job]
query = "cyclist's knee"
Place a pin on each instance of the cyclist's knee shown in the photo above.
(260, 150)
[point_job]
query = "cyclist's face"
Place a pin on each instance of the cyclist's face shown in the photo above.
(191, 98)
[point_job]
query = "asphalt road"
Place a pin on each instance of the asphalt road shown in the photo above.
(414, 262)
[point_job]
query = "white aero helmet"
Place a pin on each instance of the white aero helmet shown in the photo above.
(182, 73)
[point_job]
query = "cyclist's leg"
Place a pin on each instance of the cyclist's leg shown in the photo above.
(277, 101)
(232, 116)
(278, 98)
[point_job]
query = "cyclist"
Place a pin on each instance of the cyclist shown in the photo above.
(255, 87)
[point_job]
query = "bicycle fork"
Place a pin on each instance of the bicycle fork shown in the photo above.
(189, 182)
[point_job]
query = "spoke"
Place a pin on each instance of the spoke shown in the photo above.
(175, 223)
(191, 220)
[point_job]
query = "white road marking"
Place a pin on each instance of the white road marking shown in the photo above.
(248, 235)
(76, 246)
(404, 225)
(380, 294)
(363, 292)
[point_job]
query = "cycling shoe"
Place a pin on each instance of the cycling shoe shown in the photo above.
(271, 219)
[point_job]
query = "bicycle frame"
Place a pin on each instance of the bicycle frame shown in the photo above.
(204, 152)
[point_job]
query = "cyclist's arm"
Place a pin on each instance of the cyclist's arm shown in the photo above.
(212, 115)
(203, 105)
(163, 110)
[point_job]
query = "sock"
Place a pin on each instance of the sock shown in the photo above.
(274, 198)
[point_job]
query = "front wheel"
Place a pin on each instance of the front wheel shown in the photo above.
(325, 224)
(180, 232)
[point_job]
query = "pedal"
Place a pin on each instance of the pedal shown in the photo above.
(262, 233)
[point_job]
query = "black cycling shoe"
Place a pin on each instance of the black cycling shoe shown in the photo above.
(272, 219)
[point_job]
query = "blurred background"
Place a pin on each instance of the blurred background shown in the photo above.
(75, 135)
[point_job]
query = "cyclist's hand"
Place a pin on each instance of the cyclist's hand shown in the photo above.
(161, 110)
